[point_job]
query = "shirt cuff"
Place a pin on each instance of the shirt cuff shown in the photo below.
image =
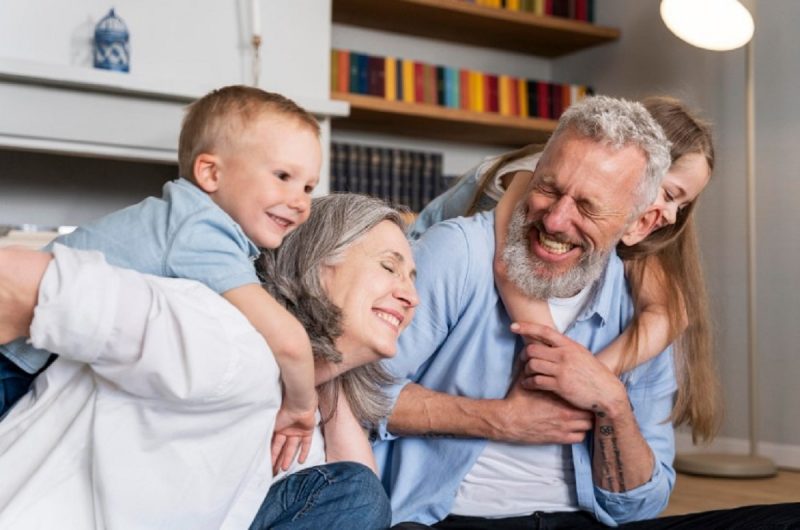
(392, 392)
(642, 502)
(77, 305)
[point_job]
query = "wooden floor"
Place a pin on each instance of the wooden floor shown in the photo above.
(696, 494)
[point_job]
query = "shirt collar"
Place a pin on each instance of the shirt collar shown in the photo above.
(604, 299)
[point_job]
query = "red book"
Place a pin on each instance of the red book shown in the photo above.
(344, 71)
(463, 89)
(419, 82)
(544, 100)
(548, 7)
(376, 72)
(493, 93)
(555, 101)
(582, 10)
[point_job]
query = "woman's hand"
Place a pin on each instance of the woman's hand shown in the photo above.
(293, 432)
(21, 271)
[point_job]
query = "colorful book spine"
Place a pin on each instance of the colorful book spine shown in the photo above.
(464, 90)
(397, 79)
(409, 84)
(390, 79)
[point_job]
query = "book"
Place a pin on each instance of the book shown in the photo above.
(376, 76)
(441, 93)
(334, 73)
(363, 73)
(492, 93)
(419, 82)
(390, 78)
(344, 71)
(522, 97)
(543, 100)
(429, 84)
(409, 84)
(504, 94)
(355, 63)
(464, 90)
(532, 93)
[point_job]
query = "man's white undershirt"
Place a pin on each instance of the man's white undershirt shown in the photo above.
(509, 480)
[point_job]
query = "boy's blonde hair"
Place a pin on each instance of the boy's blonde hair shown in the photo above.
(215, 119)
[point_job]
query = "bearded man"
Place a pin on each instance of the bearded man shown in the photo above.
(460, 447)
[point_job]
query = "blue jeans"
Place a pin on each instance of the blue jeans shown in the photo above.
(14, 383)
(341, 495)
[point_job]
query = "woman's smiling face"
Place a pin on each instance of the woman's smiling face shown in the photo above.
(373, 285)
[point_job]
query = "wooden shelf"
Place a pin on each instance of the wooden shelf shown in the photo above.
(374, 114)
(459, 21)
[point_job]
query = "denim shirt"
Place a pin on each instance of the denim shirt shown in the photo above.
(459, 343)
(182, 234)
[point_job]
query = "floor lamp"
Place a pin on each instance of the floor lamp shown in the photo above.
(726, 25)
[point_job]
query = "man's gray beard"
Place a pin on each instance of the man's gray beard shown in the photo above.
(533, 277)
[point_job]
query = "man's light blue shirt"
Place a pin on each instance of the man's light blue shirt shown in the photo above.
(459, 343)
(182, 234)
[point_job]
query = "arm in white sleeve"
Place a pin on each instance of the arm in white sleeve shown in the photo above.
(154, 337)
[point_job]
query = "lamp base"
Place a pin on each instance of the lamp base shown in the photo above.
(723, 465)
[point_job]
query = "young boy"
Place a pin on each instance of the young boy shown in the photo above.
(249, 161)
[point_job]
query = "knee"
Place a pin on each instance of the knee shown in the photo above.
(367, 498)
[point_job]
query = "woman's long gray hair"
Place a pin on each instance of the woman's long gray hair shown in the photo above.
(292, 274)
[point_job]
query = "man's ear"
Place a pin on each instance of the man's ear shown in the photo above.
(641, 227)
(207, 172)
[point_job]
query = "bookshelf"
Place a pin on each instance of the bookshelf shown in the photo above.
(374, 114)
(477, 25)
(469, 23)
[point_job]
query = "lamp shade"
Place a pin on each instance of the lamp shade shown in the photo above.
(710, 24)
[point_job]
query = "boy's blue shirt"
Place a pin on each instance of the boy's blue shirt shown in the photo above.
(182, 234)
(459, 343)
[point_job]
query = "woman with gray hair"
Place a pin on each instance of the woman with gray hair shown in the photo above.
(160, 410)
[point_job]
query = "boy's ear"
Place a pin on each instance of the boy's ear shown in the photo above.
(641, 227)
(207, 172)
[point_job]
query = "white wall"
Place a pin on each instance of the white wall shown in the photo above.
(648, 59)
(176, 46)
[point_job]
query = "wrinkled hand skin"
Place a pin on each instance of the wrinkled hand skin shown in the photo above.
(536, 417)
(556, 363)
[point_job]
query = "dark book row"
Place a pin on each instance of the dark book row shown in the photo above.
(400, 176)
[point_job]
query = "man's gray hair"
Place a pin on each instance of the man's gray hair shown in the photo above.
(619, 123)
(292, 274)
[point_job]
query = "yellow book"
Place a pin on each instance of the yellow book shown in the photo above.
(390, 79)
(504, 96)
(538, 7)
(522, 91)
(512, 5)
(408, 80)
(478, 93)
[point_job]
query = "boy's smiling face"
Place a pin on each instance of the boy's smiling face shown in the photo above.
(263, 177)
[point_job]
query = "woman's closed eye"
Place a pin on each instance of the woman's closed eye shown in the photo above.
(390, 267)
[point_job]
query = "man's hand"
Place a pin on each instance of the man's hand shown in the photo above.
(536, 417)
(556, 363)
(21, 270)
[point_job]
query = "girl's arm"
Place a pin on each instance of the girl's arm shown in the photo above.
(520, 307)
(345, 439)
(653, 330)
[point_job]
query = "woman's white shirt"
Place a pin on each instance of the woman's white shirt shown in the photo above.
(158, 413)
